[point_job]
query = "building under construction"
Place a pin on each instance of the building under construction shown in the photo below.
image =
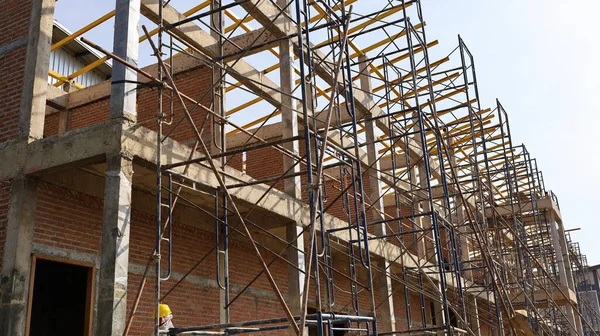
(281, 167)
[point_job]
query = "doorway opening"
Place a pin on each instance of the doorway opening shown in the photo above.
(61, 298)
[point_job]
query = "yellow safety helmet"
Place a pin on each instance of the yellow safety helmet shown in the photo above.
(163, 310)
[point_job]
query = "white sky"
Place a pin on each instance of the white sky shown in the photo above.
(539, 57)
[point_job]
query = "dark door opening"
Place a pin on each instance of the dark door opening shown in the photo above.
(60, 301)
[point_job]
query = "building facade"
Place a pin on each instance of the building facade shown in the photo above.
(383, 199)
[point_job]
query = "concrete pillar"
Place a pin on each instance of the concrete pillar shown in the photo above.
(563, 275)
(382, 282)
(217, 23)
(35, 78)
(114, 261)
(423, 222)
(63, 116)
(123, 89)
(289, 124)
(562, 240)
(555, 242)
(427, 246)
(16, 260)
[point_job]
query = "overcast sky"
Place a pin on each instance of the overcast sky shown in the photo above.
(539, 57)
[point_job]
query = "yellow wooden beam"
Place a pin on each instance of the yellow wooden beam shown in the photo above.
(83, 30)
(62, 78)
(363, 25)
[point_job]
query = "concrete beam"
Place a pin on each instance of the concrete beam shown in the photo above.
(541, 298)
(71, 149)
(542, 204)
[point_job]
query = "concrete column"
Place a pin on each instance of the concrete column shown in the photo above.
(16, 260)
(63, 116)
(423, 245)
(564, 271)
(289, 117)
(289, 124)
(123, 89)
(382, 282)
(217, 23)
(565, 254)
(114, 261)
(555, 242)
(37, 63)
(428, 243)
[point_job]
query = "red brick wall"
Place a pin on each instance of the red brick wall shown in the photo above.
(89, 114)
(194, 84)
(67, 219)
(51, 124)
(70, 220)
(15, 16)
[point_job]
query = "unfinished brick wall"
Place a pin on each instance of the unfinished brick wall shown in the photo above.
(15, 16)
(73, 221)
(260, 163)
(195, 83)
(408, 240)
(267, 162)
(67, 219)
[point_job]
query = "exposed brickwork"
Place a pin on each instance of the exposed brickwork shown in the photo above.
(12, 65)
(67, 219)
(195, 84)
(88, 115)
(51, 124)
(15, 16)
(71, 220)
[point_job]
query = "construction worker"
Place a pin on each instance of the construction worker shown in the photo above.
(165, 317)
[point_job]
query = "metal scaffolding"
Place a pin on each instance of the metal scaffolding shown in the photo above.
(385, 148)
